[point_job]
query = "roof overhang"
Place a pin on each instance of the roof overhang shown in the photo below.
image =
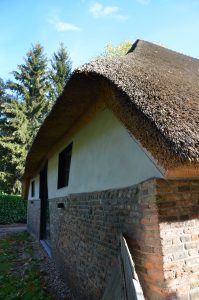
(152, 91)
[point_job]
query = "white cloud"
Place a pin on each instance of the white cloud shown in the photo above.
(61, 26)
(98, 10)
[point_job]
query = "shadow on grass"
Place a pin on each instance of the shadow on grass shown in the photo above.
(20, 277)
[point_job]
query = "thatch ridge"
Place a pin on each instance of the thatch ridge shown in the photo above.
(151, 88)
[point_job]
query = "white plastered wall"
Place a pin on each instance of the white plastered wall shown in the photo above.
(36, 180)
(104, 156)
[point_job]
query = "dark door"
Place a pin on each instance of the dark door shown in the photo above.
(43, 193)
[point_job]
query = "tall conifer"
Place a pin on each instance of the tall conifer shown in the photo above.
(60, 71)
(32, 87)
(22, 111)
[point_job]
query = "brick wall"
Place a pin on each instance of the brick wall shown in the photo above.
(33, 217)
(160, 221)
(143, 238)
(85, 235)
(178, 209)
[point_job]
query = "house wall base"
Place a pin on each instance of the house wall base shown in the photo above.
(33, 217)
(160, 220)
(177, 204)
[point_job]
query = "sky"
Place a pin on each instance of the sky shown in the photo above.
(86, 26)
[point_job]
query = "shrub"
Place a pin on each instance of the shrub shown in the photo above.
(12, 209)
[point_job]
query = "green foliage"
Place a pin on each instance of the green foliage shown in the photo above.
(31, 86)
(121, 49)
(24, 104)
(13, 209)
(3, 95)
(20, 278)
(60, 71)
(21, 116)
(14, 137)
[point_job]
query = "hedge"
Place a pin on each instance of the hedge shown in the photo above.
(13, 209)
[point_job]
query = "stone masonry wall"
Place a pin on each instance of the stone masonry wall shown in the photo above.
(33, 217)
(160, 221)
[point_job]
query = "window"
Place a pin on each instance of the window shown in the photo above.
(64, 167)
(33, 188)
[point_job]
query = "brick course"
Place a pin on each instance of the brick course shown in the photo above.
(179, 230)
(159, 219)
(85, 236)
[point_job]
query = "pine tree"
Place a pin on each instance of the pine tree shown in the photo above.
(31, 86)
(21, 115)
(13, 142)
(33, 92)
(3, 100)
(60, 71)
(3, 94)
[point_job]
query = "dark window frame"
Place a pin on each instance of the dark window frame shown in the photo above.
(33, 188)
(64, 162)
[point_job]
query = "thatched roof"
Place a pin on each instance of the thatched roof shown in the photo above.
(155, 93)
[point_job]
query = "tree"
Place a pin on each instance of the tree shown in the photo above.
(121, 49)
(13, 140)
(30, 98)
(31, 87)
(13, 144)
(3, 94)
(60, 71)
(21, 115)
(3, 100)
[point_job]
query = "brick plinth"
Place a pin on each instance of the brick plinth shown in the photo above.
(160, 221)
(178, 209)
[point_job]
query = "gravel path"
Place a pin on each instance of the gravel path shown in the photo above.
(52, 278)
(12, 228)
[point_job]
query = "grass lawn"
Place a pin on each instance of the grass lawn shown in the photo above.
(19, 275)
